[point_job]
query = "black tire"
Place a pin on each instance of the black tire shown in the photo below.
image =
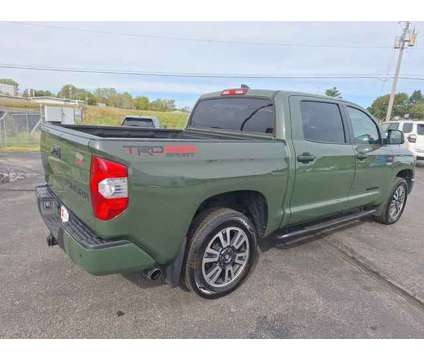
(383, 213)
(208, 227)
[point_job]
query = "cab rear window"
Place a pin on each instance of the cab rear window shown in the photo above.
(245, 114)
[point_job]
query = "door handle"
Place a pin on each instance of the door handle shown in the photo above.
(305, 157)
(361, 156)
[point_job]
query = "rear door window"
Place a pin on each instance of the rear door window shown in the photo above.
(322, 122)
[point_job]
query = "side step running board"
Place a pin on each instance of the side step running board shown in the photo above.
(325, 224)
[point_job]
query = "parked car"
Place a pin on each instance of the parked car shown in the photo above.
(141, 121)
(414, 135)
(193, 204)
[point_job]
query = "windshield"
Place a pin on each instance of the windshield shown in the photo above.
(242, 114)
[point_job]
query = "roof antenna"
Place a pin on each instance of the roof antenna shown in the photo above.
(244, 86)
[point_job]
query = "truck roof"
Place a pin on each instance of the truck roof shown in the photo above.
(140, 117)
(272, 93)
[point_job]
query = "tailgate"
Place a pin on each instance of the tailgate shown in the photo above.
(66, 161)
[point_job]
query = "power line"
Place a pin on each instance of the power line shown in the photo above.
(206, 75)
(218, 41)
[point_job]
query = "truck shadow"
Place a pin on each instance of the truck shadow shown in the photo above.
(268, 243)
(141, 281)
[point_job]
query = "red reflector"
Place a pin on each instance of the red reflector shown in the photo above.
(241, 91)
(101, 169)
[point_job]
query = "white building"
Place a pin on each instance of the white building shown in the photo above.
(56, 101)
(7, 89)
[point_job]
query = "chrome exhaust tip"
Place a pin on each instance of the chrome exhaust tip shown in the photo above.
(51, 240)
(154, 274)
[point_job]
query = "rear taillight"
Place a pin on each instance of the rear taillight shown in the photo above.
(412, 138)
(109, 188)
(241, 91)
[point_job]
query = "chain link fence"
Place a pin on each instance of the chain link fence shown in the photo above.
(19, 128)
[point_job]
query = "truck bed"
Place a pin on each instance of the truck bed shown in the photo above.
(143, 133)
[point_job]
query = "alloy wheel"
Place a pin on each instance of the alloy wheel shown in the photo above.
(397, 202)
(225, 257)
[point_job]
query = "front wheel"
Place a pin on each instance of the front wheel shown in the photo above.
(222, 252)
(393, 207)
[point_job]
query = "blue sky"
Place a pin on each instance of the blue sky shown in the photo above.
(315, 48)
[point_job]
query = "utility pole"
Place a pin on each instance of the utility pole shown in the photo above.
(406, 39)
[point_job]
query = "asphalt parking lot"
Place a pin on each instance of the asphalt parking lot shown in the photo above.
(362, 280)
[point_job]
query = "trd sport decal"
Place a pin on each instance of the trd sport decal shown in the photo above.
(181, 149)
(185, 150)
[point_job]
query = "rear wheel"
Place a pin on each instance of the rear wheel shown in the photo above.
(392, 209)
(222, 251)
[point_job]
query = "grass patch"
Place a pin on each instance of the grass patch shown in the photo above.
(23, 105)
(21, 142)
(21, 148)
(19, 104)
(94, 115)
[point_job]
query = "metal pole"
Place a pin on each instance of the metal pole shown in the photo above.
(396, 78)
(5, 131)
(27, 125)
(1, 130)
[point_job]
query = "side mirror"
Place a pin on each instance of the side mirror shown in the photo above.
(395, 137)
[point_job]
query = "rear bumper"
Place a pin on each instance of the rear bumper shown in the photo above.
(97, 256)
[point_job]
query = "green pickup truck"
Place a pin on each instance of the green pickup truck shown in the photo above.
(191, 206)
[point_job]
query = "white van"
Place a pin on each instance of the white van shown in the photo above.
(414, 134)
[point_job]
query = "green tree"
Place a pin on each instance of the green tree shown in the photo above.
(417, 110)
(43, 93)
(68, 91)
(72, 92)
(186, 109)
(401, 106)
(416, 97)
(333, 92)
(91, 99)
(141, 102)
(125, 101)
(86, 96)
(104, 95)
(34, 92)
(9, 82)
(162, 105)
